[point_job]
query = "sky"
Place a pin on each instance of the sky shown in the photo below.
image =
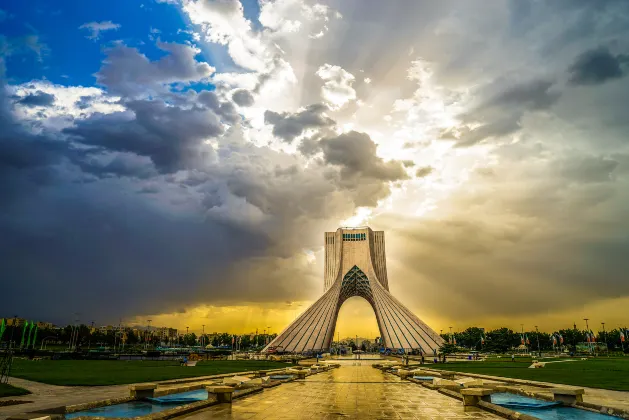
(179, 160)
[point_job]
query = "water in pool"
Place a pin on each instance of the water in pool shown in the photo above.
(142, 408)
(544, 410)
(129, 409)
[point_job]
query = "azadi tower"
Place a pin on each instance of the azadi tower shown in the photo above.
(355, 265)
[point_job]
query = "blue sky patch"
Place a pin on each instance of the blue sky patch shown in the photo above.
(44, 39)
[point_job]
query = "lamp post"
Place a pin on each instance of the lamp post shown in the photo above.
(148, 334)
(538, 349)
(587, 331)
(12, 329)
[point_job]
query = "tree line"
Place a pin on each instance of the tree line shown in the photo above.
(84, 337)
(502, 340)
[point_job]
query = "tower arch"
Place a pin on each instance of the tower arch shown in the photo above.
(355, 265)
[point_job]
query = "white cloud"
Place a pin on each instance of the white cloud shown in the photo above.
(96, 28)
(71, 102)
(223, 22)
(337, 88)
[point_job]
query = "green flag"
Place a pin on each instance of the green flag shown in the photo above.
(35, 335)
(23, 334)
(30, 330)
(3, 326)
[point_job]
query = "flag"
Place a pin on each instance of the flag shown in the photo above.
(233, 339)
(522, 339)
(24, 333)
(593, 337)
(560, 339)
(527, 339)
(30, 331)
(454, 340)
(554, 340)
(587, 337)
(35, 335)
(482, 339)
(3, 326)
(622, 336)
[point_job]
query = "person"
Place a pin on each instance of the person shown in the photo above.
(422, 362)
(184, 361)
(512, 357)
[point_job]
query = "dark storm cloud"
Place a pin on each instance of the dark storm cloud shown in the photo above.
(84, 102)
(424, 171)
(94, 248)
(597, 66)
(505, 267)
(111, 256)
(225, 110)
(128, 72)
(171, 136)
(355, 153)
(500, 115)
(38, 98)
(243, 97)
(288, 125)
(588, 169)
(122, 164)
(20, 149)
(129, 241)
(533, 95)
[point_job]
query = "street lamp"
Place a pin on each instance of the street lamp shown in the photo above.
(587, 331)
(538, 349)
(12, 329)
(148, 332)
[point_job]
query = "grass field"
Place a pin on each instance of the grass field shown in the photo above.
(608, 373)
(7, 390)
(116, 372)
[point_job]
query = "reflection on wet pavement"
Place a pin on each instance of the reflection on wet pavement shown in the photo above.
(359, 392)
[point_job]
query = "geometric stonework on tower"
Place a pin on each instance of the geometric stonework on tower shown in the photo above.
(355, 265)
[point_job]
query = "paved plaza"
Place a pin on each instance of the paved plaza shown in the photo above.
(359, 392)
(46, 396)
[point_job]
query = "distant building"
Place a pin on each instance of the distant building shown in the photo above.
(19, 322)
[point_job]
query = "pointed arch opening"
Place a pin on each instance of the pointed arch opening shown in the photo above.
(356, 318)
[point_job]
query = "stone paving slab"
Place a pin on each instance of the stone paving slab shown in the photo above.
(355, 392)
(45, 396)
(604, 397)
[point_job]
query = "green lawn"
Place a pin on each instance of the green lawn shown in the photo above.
(608, 373)
(7, 390)
(116, 372)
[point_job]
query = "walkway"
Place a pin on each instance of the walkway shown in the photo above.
(46, 396)
(359, 392)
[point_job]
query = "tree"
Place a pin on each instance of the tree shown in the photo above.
(448, 348)
(501, 340)
(352, 345)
